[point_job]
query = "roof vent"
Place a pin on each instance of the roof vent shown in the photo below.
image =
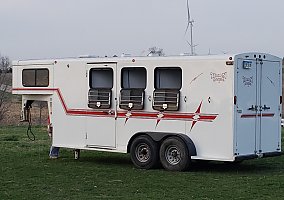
(185, 54)
(88, 56)
(126, 55)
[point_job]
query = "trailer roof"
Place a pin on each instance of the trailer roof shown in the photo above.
(117, 59)
(130, 58)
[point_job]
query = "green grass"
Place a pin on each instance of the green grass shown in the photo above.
(26, 172)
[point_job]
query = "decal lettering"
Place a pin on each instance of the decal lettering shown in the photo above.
(248, 81)
(218, 77)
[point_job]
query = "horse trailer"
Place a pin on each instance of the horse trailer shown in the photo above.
(160, 109)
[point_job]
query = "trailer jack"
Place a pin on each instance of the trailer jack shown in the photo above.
(26, 112)
(76, 154)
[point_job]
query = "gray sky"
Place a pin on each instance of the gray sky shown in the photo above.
(67, 28)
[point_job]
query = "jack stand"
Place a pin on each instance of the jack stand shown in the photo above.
(76, 154)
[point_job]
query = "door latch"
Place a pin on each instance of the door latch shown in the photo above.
(253, 108)
(266, 108)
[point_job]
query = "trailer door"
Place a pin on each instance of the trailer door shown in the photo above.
(101, 105)
(258, 91)
(270, 92)
(247, 100)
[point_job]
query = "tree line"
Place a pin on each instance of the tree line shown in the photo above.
(5, 68)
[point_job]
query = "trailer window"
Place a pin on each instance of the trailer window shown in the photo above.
(101, 84)
(133, 84)
(167, 83)
(101, 78)
(35, 77)
(133, 78)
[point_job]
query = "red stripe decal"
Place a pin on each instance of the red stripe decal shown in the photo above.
(266, 115)
(248, 116)
(257, 115)
(194, 117)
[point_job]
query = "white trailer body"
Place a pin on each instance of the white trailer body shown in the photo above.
(225, 108)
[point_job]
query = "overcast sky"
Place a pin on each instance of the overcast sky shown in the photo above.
(68, 28)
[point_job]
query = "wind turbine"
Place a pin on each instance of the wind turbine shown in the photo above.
(190, 25)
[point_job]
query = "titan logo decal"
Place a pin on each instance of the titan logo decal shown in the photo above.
(218, 77)
(248, 81)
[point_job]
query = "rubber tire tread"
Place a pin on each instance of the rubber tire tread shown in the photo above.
(185, 158)
(153, 160)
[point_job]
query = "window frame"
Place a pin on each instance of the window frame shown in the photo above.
(170, 68)
(97, 69)
(124, 89)
(166, 91)
(100, 90)
(35, 77)
(130, 67)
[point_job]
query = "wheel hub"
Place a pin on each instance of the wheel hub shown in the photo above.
(172, 155)
(142, 152)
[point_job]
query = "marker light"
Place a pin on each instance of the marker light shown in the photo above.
(230, 62)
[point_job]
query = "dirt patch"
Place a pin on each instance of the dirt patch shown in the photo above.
(39, 110)
(13, 115)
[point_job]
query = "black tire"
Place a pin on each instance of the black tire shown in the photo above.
(144, 152)
(174, 154)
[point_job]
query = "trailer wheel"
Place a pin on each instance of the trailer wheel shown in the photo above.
(174, 154)
(144, 152)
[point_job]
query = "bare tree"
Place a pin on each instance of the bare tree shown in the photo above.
(4, 85)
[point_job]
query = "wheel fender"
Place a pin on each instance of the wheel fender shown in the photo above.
(190, 145)
(159, 137)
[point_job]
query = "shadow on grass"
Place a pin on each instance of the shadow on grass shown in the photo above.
(108, 160)
(102, 159)
(244, 167)
(10, 138)
(123, 160)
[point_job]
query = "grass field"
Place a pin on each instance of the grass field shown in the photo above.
(28, 173)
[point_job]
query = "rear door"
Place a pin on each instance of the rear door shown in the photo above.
(270, 91)
(247, 101)
(258, 91)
